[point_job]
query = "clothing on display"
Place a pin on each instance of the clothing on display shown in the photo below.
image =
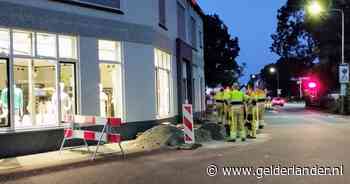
(18, 99)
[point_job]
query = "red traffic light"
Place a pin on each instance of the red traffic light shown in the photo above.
(312, 85)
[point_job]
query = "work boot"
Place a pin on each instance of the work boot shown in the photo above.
(232, 140)
(243, 139)
(250, 137)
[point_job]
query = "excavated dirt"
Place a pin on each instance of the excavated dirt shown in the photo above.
(167, 135)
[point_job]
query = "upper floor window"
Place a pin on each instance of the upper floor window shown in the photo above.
(200, 39)
(181, 22)
(193, 33)
(162, 13)
(105, 5)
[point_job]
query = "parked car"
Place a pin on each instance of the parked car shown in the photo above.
(278, 101)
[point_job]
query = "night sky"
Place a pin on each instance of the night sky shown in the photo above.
(252, 21)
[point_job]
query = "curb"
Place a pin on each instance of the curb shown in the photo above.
(24, 172)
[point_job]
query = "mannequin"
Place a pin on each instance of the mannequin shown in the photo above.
(66, 103)
(103, 102)
(18, 101)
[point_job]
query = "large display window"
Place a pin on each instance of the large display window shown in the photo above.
(4, 94)
(43, 66)
(35, 92)
(111, 101)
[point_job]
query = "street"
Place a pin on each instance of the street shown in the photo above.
(297, 136)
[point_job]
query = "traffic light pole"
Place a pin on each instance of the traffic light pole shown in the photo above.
(278, 83)
(343, 85)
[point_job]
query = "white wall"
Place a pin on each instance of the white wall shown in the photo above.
(142, 12)
(89, 76)
(139, 82)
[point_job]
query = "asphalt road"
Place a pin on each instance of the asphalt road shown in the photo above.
(296, 137)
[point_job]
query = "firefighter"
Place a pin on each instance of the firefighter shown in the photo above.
(226, 98)
(261, 100)
(219, 102)
(252, 113)
(237, 128)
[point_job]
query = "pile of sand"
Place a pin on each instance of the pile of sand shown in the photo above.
(167, 135)
(159, 137)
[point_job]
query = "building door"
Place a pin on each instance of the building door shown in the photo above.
(187, 82)
(4, 93)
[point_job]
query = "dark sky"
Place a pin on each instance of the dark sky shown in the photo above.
(252, 21)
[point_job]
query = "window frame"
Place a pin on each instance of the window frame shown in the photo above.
(9, 89)
(75, 81)
(168, 70)
(94, 5)
(118, 61)
(193, 32)
(162, 14)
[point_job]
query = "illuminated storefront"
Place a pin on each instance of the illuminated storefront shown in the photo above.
(91, 57)
(43, 70)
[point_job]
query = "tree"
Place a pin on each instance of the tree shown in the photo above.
(293, 38)
(221, 51)
(294, 44)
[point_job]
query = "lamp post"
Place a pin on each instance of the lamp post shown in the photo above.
(315, 9)
(273, 70)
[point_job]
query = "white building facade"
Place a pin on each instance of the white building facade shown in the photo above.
(137, 60)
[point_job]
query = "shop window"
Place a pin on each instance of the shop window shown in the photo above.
(35, 94)
(22, 43)
(110, 90)
(4, 42)
(46, 45)
(67, 47)
(163, 80)
(37, 84)
(4, 94)
(68, 89)
(109, 50)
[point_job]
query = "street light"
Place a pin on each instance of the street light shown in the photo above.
(273, 70)
(314, 8)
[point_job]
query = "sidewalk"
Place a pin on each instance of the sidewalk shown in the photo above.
(29, 163)
(51, 161)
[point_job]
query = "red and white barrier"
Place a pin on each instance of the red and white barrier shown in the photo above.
(187, 120)
(91, 136)
(92, 120)
(105, 136)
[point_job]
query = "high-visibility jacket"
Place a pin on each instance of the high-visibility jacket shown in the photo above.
(227, 94)
(252, 97)
(260, 94)
(219, 95)
(237, 96)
